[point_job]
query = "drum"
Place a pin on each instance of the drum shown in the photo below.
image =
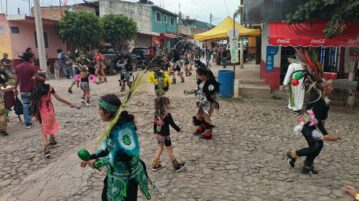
(9, 97)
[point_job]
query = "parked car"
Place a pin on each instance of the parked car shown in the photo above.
(142, 55)
(111, 57)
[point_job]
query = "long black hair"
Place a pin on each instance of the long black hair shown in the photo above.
(202, 69)
(125, 117)
(160, 107)
(40, 88)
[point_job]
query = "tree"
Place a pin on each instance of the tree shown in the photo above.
(79, 29)
(118, 30)
(336, 12)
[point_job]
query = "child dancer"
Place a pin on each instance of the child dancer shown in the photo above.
(120, 153)
(207, 90)
(45, 112)
(100, 67)
(177, 69)
(77, 66)
(57, 69)
(126, 72)
(313, 127)
(186, 64)
(85, 86)
(162, 123)
(161, 81)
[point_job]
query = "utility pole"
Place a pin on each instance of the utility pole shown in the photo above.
(29, 8)
(40, 35)
(60, 9)
(6, 7)
(210, 18)
(241, 44)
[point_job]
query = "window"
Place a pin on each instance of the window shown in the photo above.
(15, 30)
(172, 21)
(165, 19)
(2, 30)
(46, 41)
(158, 16)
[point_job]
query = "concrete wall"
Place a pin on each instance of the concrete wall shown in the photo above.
(143, 40)
(185, 30)
(163, 26)
(272, 78)
(55, 13)
(26, 38)
(140, 13)
(5, 38)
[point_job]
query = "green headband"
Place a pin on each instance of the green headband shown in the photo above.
(107, 106)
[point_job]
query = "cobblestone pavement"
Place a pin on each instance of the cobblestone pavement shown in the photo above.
(244, 161)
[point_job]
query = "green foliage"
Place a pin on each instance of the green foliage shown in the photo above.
(79, 28)
(118, 29)
(336, 12)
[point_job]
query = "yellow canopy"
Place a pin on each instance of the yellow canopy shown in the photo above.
(221, 31)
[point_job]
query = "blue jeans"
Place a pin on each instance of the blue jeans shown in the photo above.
(224, 62)
(63, 68)
(26, 101)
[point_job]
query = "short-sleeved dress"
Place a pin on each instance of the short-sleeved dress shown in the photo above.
(47, 114)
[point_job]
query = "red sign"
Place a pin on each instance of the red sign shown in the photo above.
(306, 34)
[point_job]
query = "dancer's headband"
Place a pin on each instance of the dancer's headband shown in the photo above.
(107, 106)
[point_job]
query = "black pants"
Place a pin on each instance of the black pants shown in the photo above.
(315, 146)
(131, 190)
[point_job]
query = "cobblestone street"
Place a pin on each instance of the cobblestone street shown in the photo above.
(245, 161)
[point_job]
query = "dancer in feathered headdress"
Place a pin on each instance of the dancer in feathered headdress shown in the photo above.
(120, 150)
(207, 89)
(312, 124)
(160, 80)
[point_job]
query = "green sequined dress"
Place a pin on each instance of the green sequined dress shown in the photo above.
(120, 153)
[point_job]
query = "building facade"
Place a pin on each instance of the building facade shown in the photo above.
(58, 12)
(18, 32)
(155, 24)
(274, 58)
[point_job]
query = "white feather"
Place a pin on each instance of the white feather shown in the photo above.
(298, 129)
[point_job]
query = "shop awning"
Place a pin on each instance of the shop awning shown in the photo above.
(221, 31)
(311, 34)
(169, 35)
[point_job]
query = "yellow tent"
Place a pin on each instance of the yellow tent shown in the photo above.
(221, 31)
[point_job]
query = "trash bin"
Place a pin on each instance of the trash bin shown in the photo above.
(226, 81)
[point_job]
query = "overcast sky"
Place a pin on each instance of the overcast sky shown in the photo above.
(199, 9)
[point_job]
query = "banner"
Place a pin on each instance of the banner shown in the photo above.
(271, 52)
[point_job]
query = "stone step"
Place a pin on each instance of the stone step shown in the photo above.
(254, 90)
(253, 81)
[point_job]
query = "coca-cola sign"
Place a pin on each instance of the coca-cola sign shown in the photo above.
(283, 41)
(318, 41)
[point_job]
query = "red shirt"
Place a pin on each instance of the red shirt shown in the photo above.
(24, 72)
(99, 57)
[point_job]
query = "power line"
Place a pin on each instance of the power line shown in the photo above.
(170, 4)
(225, 3)
(2, 9)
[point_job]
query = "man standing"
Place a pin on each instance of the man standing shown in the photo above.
(62, 61)
(6, 64)
(224, 57)
(24, 76)
(208, 53)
